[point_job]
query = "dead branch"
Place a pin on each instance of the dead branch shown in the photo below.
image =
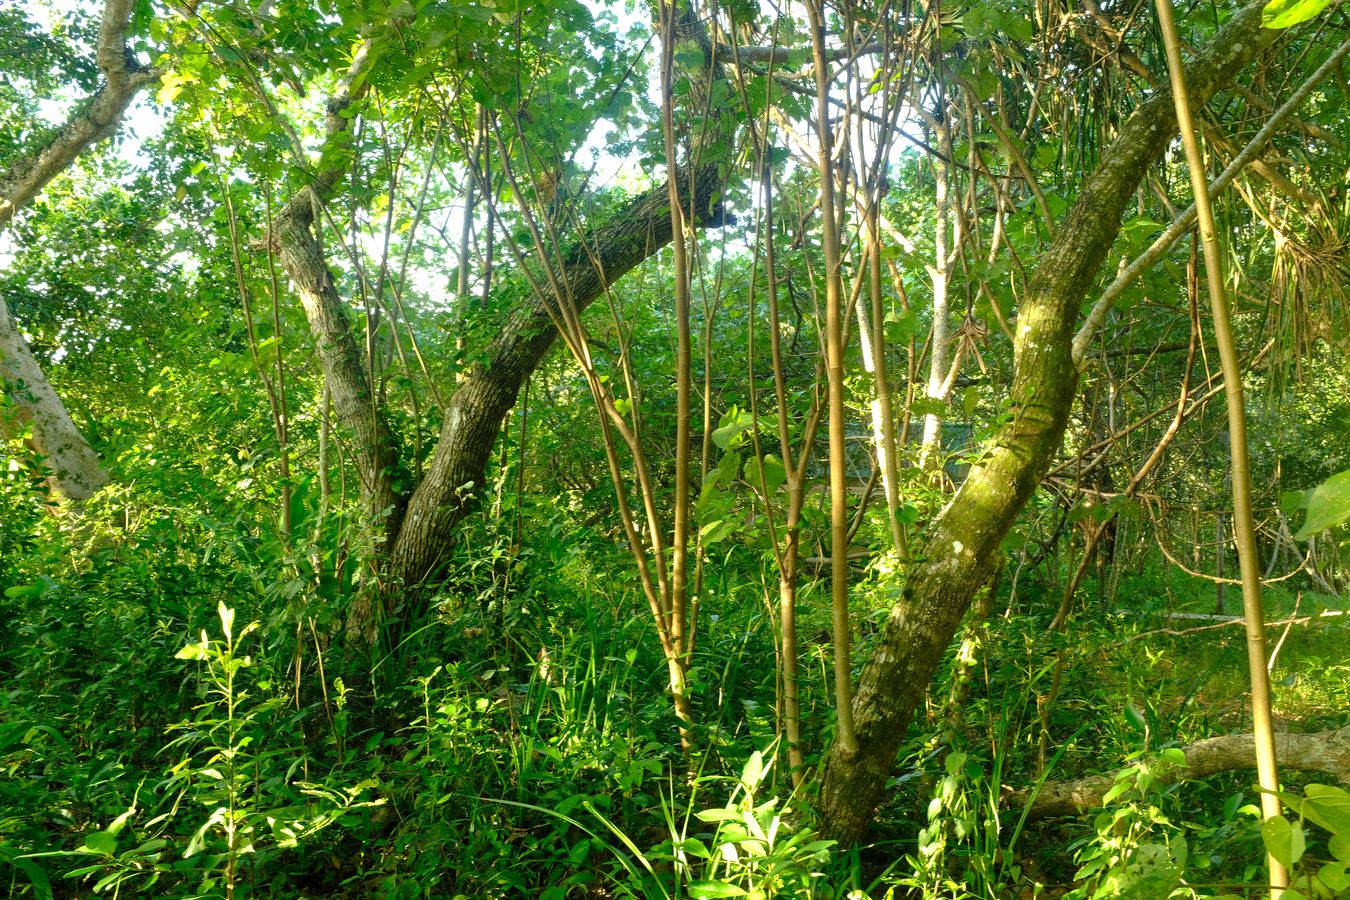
(1326, 752)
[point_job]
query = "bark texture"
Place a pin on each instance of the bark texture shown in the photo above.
(344, 370)
(959, 556)
(416, 530)
(1327, 753)
(77, 471)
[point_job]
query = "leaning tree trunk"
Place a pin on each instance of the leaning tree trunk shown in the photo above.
(417, 530)
(1326, 752)
(961, 551)
(76, 470)
(475, 411)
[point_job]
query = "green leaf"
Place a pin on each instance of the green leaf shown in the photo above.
(579, 852)
(732, 427)
(1288, 13)
(718, 530)
(100, 842)
(927, 406)
(699, 889)
(1328, 506)
(903, 326)
(1283, 839)
(42, 887)
(1328, 806)
(1292, 501)
(753, 771)
(689, 56)
(775, 474)
(1173, 756)
(226, 618)
(695, 847)
(1339, 846)
(718, 815)
(1334, 876)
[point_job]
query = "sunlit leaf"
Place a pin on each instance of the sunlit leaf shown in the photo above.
(1288, 13)
(1284, 840)
(1328, 506)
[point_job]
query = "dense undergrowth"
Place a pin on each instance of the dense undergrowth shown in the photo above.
(177, 720)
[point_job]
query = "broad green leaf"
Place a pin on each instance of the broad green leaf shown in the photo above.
(927, 406)
(903, 326)
(731, 428)
(1328, 506)
(100, 842)
(1292, 501)
(1335, 877)
(774, 473)
(689, 56)
(42, 887)
(1288, 13)
(1174, 756)
(715, 531)
(1328, 806)
(695, 847)
(1283, 839)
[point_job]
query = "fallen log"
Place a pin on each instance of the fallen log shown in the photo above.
(1325, 752)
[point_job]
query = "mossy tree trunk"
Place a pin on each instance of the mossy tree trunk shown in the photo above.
(961, 550)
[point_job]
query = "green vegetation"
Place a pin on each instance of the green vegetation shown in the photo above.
(469, 450)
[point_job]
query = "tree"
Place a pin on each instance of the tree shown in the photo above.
(427, 106)
(961, 550)
(76, 470)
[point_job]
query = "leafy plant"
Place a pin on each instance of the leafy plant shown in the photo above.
(1323, 805)
(754, 849)
(1136, 850)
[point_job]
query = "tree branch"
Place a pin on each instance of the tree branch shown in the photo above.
(1326, 752)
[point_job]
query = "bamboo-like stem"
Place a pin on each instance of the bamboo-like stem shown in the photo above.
(683, 352)
(834, 367)
(1182, 223)
(1243, 525)
(787, 548)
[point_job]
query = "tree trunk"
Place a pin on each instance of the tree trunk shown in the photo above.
(377, 451)
(961, 551)
(77, 471)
